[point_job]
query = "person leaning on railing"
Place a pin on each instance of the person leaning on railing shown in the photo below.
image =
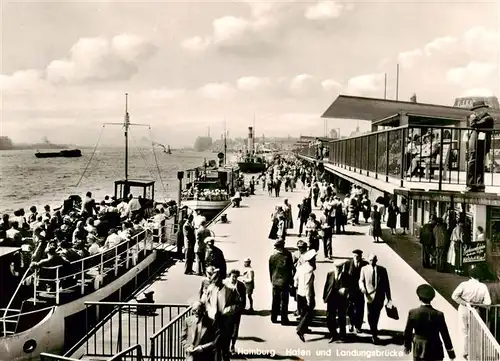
(471, 292)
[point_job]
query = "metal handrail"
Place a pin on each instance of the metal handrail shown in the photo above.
(12, 300)
(480, 339)
(160, 338)
(172, 322)
(138, 356)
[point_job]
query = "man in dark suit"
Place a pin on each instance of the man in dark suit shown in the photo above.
(427, 241)
(423, 328)
(335, 296)
(374, 284)
(356, 307)
(479, 145)
(280, 273)
(200, 336)
(303, 214)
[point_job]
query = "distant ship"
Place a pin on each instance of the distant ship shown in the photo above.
(71, 153)
(251, 162)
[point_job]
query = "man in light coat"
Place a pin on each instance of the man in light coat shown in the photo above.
(304, 283)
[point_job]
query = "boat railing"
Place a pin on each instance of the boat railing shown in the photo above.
(77, 276)
(72, 277)
(7, 309)
(167, 343)
(115, 326)
(399, 154)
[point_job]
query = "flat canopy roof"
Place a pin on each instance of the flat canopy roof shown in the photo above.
(483, 198)
(351, 107)
(136, 182)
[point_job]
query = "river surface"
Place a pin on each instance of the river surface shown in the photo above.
(26, 180)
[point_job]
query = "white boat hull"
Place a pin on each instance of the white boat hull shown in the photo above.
(208, 209)
(49, 333)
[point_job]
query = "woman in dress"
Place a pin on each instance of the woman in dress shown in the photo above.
(376, 227)
(366, 206)
(392, 212)
(404, 215)
(273, 233)
(454, 252)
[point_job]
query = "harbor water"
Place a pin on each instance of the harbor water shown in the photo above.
(26, 180)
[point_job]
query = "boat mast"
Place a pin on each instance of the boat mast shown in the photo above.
(225, 141)
(126, 125)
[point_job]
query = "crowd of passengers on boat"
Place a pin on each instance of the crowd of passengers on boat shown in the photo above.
(77, 229)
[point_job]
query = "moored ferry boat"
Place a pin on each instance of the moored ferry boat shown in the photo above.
(209, 189)
(51, 273)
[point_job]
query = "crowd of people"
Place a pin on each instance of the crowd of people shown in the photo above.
(76, 230)
(349, 287)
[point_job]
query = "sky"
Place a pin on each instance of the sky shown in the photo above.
(188, 66)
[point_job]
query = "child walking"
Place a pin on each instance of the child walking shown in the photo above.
(248, 278)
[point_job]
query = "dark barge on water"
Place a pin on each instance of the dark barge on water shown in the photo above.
(71, 153)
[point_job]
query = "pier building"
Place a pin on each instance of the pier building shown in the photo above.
(382, 161)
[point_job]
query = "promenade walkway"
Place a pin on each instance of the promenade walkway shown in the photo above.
(246, 236)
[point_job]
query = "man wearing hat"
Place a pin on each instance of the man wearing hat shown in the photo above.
(424, 327)
(280, 272)
(374, 283)
(215, 257)
(479, 145)
(335, 296)
(356, 306)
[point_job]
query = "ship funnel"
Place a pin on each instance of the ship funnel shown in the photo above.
(250, 140)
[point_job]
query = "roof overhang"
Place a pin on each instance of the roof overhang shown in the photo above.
(351, 107)
(488, 199)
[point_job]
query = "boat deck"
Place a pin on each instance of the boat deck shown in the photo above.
(246, 236)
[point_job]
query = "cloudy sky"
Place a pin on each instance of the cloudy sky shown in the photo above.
(190, 65)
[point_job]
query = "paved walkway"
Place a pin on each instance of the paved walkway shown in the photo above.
(246, 236)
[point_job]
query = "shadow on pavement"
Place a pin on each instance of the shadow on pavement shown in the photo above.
(252, 338)
(263, 313)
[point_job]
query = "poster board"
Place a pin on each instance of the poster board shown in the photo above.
(474, 252)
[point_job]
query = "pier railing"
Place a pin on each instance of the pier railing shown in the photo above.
(416, 153)
(167, 344)
(481, 344)
(114, 326)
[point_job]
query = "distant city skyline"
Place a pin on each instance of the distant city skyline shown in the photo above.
(191, 65)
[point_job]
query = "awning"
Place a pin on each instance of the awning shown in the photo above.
(481, 198)
(351, 107)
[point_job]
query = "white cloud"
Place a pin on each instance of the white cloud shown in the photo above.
(326, 10)
(408, 59)
(23, 81)
(251, 83)
(472, 73)
(482, 42)
(196, 43)
(440, 44)
(217, 91)
(101, 59)
(368, 84)
(263, 31)
(330, 85)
